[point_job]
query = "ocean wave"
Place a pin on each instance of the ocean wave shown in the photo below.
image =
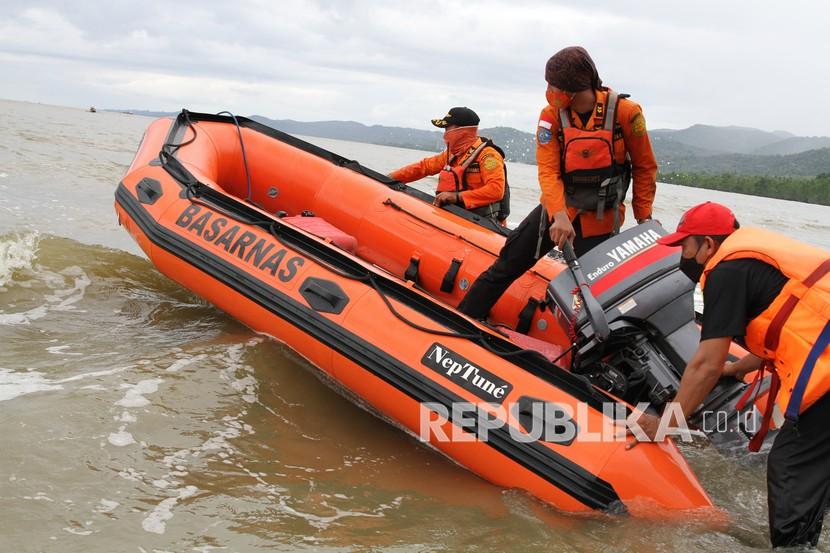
(42, 275)
(68, 288)
(17, 252)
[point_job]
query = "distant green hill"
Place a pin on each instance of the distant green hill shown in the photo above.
(804, 164)
(734, 140)
(670, 148)
(358, 132)
(519, 146)
(699, 149)
(794, 145)
(709, 140)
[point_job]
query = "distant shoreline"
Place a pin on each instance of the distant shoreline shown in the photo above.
(811, 190)
(806, 189)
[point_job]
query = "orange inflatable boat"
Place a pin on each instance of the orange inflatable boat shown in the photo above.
(360, 274)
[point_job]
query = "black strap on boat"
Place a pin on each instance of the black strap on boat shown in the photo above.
(449, 278)
(526, 315)
(411, 272)
(244, 155)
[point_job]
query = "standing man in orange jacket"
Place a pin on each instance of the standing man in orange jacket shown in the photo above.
(772, 293)
(470, 171)
(590, 143)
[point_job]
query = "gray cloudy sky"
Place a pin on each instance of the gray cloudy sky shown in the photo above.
(762, 64)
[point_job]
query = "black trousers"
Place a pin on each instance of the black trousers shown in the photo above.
(517, 256)
(798, 477)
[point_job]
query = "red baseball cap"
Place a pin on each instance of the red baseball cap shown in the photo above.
(706, 219)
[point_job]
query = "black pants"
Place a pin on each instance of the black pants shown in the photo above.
(517, 256)
(798, 477)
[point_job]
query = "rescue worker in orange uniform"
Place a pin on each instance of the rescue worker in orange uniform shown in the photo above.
(773, 294)
(590, 143)
(471, 172)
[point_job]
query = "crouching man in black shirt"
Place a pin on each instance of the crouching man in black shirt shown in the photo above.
(772, 293)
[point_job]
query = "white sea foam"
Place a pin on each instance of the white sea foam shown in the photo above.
(17, 253)
(179, 364)
(59, 350)
(105, 372)
(39, 496)
(131, 474)
(121, 438)
(125, 416)
(106, 506)
(323, 522)
(67, 297)
(15, 384)
(77, 532)
(135, 393)
(24, 317)
(156, 521)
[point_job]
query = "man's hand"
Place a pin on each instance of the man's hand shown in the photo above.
(446, 198)
(649, 424)
(730, 369)
(739, 368)
(562, 230)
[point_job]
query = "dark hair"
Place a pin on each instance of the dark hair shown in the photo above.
(719, 238)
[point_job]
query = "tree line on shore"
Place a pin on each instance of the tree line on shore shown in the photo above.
(814, 190)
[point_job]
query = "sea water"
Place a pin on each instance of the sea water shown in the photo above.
(137, 417)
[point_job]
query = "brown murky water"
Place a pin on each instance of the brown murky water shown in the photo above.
(136, 417)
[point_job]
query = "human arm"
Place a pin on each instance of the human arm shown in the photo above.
(702, 373)
(745, 364)
(725, 307)
(724, 316)
(699, 378)
(643, 162)
(550, 178)
(420, 169)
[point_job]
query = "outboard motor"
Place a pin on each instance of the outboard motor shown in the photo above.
(649, 306)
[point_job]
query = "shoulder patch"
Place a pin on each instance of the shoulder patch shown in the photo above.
(543, 135)
(490, 162)
(638, 124)
(545, 124)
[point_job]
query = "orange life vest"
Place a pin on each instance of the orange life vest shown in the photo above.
(453, 178)
(793, 333)
(594, 179)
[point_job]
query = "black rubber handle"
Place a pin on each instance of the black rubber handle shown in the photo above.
(596, 315)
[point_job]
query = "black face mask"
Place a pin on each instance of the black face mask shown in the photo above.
(690, 267)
